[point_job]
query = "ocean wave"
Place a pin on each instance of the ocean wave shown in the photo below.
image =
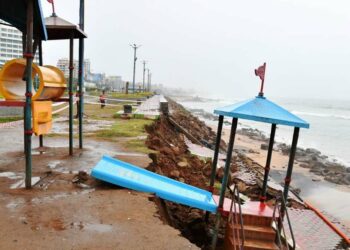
(344, 117)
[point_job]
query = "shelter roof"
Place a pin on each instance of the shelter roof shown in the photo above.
(262, 110)
(14, 12)
(58, 28)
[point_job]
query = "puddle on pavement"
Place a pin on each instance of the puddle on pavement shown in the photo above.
(98, 228)
(66, 171)
(21, 183)
(13, 204)
(53, 164)
(61, 125)
(38, 200)
(19, 202)
(11, 175)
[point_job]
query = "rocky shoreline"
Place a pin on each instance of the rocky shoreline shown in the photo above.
(172, 158)
(308, 158)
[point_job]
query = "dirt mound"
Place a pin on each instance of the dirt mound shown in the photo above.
(175, 161)
(194, 126)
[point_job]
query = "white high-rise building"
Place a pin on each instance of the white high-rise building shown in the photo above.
(10, 44)
(63, 65)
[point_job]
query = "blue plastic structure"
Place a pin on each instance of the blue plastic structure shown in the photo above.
(262, 110)
(127, 175)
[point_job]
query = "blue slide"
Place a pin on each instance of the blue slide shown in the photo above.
(129, 176)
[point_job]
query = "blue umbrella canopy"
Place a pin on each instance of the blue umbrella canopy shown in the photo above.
(14, 12)
(262, 110)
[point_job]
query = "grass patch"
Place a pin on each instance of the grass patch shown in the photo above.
(95, 112)
(130, 95)
(9, 119)
(123, 95)
(58, 135)
(139, 146)
(125, 128)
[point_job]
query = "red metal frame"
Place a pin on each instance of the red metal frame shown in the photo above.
(12, 103)
(63, 99)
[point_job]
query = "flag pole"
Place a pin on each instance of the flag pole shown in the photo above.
(261, 73)
(53, 7)
(261, 93)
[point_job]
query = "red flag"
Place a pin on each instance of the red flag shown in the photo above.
(50, 1)
(261, 72)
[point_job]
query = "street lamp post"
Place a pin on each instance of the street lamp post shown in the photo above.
(150, 82)
(148, 79)
(135, 47)
(143, 78)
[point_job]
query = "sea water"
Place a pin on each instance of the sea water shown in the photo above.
(329, 123)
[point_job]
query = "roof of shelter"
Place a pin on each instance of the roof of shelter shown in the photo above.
(58, 28)
(14, 12)
(262, 110)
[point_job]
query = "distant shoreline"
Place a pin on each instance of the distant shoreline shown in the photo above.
(210, 118)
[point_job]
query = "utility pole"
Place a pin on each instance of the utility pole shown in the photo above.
(135, 47)
(150, 82)
(143, 79)
(148, 79)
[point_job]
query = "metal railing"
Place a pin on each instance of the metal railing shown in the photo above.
(237, 233)
(277, 218)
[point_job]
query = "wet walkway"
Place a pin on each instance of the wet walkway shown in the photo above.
(69, 211)
(311, 232)
(151, 107)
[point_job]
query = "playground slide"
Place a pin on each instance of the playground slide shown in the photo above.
(129, 176)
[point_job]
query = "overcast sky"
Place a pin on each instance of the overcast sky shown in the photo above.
(214, 46)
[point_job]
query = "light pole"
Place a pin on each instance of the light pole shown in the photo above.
(150, 82)
(135, 47)
(148, 79)
(143, 79)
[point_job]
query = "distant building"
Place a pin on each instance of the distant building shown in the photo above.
(90, 85)
(63, 64)
(96, 77)
(10, 44)
(114, 83)
(87, 67)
